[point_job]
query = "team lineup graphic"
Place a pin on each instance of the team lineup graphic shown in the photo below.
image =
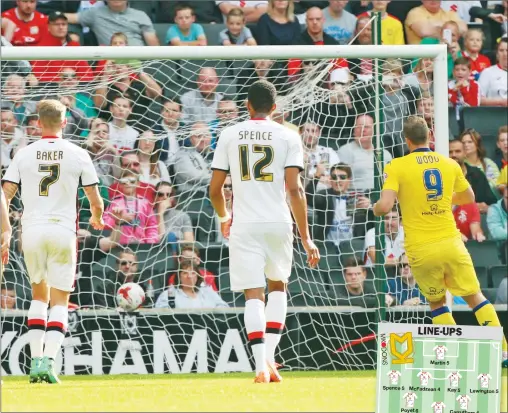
(438, 369)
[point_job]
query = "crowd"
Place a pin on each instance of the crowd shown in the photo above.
(152, 147)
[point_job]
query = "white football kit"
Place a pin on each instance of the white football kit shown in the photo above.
(464, 401)
(49, 172)
(438, 407)
(440, 352)
(454, 379)
(394, 375)
(410, 399)
(257, 152)
(424, 377)
(484, 380)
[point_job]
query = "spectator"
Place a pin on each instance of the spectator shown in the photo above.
(317, 156)
(129, 160)
(102, 152)
(227, 113)
(191, 252)
(493, 80)
(339, 23)
(58, 36)
(131, 215)
(394, 240)
(117, 16)
(121, 135)
(360, 154)
(339, 214)
(425, 109)
(274, 71)
(476, 155)
(20, 67)
(473, 44)
(14, 98)
(69, 82)
(362, 68)
(392, 31)
(281, 114)
(153, 170)
(355, 289)
(173, 224)
(105, 289)
(501, 157)
(422, 77)
(467, 218)
(191, 167)
(189, 291)
(8, 298)
(462, 8)
(168, 129)
(462, 90)
(200, 105)
(502, 292)
(403, 288)
(117, 40)
(496, 17)
(427, 20)
(12, 137)
(127, 78)
(252, 10)
(33, 130)
(8, 29)
(236, 33)
(84, 203)
(479, 183)
(30, 24)
(497, 218)
(186, 32)
(206, 11)
(278, 26)
(77, 122)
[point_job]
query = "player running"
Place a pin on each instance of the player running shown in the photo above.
(50, 171)
(427, 184)
(262, 157)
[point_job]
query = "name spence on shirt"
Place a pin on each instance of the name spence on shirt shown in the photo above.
(253, 135)
(49, 155)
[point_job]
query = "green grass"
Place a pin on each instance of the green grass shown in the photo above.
(300, 391)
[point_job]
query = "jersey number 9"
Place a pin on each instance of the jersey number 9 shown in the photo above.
(433, 182)
(47, 181)
(259, 166)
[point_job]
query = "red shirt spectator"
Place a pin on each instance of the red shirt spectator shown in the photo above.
(31, 24)
(460, 93)
(465, 215)
(477, 65)
(57, 35)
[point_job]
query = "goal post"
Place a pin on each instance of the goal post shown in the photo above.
(184, 340)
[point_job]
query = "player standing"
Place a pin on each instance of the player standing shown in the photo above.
(6, 231)
(263, 157)
(427, 184)
(50, 171)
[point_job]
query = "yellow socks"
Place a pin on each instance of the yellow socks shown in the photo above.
(442, 316)
(486, 315)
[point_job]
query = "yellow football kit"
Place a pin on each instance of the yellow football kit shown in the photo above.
(425, 182)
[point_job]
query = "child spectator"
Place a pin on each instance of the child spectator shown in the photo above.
(121, 135)
(461, 90)
(501, 157)
(118, 39)
(473, 43)
(468, 221)
(392, 31)
(186, 32)
(236, 34)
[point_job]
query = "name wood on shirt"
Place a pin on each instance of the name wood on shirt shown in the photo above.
(427, 159)
(255, 135)
(49, 155)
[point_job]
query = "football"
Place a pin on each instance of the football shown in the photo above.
(130, 296)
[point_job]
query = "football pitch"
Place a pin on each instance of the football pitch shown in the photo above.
(343, 391)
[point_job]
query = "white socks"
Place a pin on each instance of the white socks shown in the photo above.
(55, 331)
(255, 323)
(276, 310)
(37, 318)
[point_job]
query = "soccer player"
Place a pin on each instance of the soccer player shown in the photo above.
(6, 231)
(427, 184)
(50, 171)
(265, 160)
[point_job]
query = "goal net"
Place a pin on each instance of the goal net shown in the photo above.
(150, 125)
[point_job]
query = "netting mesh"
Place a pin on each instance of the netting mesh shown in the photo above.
(150, 128)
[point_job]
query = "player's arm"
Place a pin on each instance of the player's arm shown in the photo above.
(464, 197)
(6, 228)
(218, 200)
(389, 192)
(96, 205)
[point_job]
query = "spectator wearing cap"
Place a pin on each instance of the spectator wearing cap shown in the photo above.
(116, 16)
(58, 35)
(153, 169)
(31, 25)
(252, 10)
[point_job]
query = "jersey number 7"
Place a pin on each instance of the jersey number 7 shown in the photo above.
(257, 169)
(47, 181)
(433, 182)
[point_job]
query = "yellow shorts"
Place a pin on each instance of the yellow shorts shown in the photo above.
(444, 265)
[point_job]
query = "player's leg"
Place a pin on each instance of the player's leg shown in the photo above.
(440, 312)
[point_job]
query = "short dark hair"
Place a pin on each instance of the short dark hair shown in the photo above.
(462, 61)
(455, 140)
(501, 41)
(416, 130)
(261, 96)
(183, 6)
(341, 166)
(189, 247)
(31, 118)
(352, 261)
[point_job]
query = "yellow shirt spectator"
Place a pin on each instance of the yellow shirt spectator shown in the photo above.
(392, 31)
(502, 180)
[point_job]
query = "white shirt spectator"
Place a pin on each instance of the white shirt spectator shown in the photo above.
(154, 180)
(122, 137)
(393, 248)
(342, 224)
(461, 8)
(195, 108)
(494, 82)
(318, 155)
(206, 298)
(172, 136)
(17, 141)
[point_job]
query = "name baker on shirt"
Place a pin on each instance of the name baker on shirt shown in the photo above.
(255, 135)
(49, 155)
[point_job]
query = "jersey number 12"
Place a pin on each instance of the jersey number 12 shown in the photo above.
(259, 166)
(433, 182)
(47, 181)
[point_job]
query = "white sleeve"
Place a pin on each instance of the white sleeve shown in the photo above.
(334, 158)
(162, 300)
(88, 172)
(294, 156)
(370, 238)
(12, 173)
(483, 82)
(220, 156)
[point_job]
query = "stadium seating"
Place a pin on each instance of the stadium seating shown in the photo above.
(483, 276)
(484, 254)
(497, 274)
(485, 119)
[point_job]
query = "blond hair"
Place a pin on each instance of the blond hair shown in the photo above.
(290, 11)
(51, 113)
(416, 130)
(474, 30)
(393, 66)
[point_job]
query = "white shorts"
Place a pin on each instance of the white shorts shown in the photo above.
(256, 251)
(50, 255)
